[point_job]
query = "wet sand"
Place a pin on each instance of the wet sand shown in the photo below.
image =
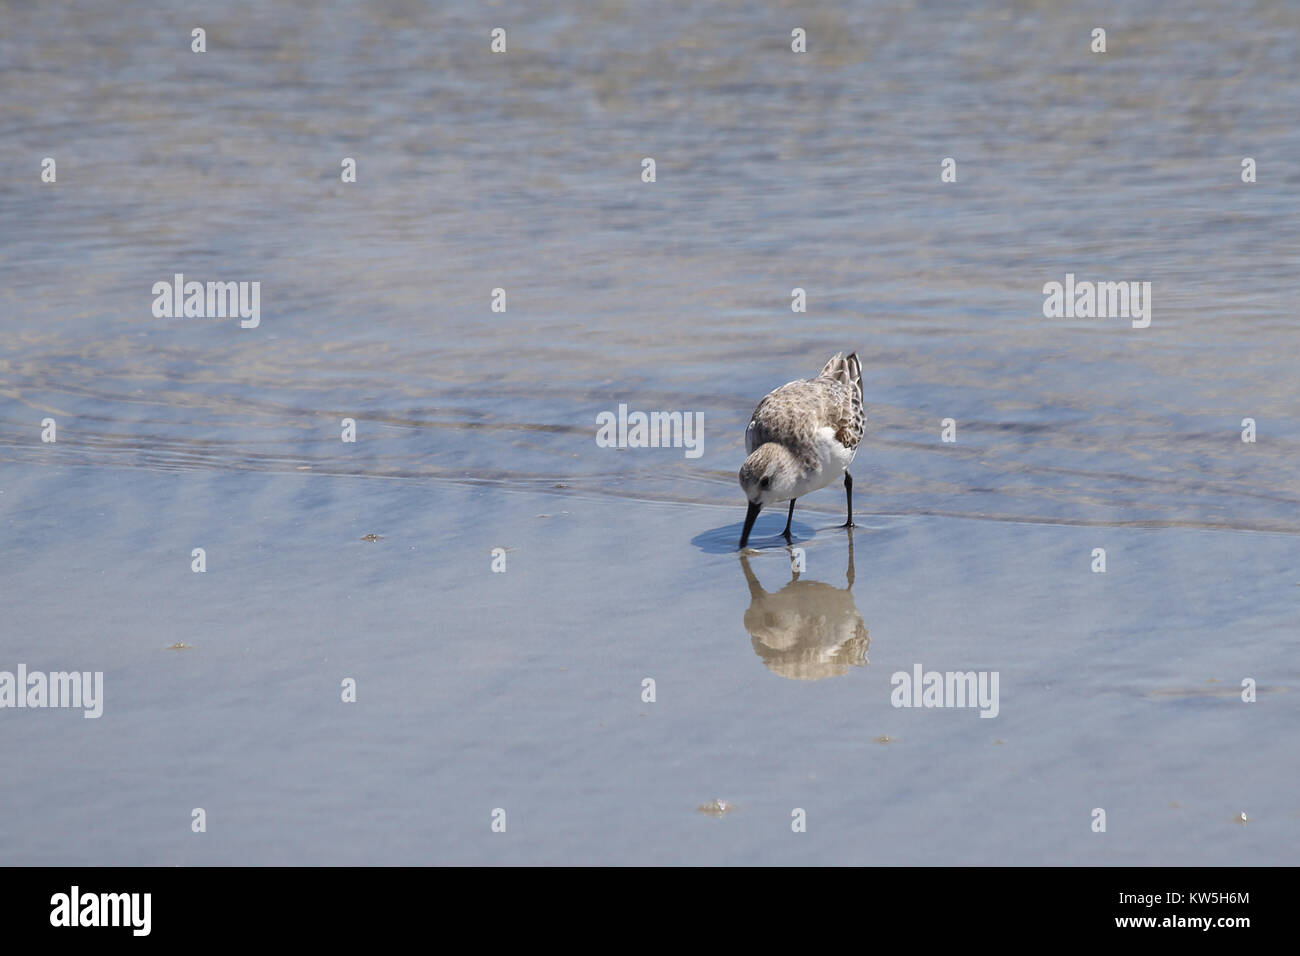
(523, 690)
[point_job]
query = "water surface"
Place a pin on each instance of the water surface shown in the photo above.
(523, 689)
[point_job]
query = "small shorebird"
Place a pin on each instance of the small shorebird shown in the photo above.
(802, 437)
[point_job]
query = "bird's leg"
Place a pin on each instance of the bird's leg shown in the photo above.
(849, 575)
(848, 496)
(794, 565)
(788, 519)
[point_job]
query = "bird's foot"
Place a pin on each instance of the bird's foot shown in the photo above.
(848, 524)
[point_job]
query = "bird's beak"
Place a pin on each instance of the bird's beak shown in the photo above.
(750, 515)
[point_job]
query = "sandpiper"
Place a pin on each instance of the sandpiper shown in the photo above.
(802, 437)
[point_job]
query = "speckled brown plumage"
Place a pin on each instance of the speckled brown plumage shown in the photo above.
(792, 414)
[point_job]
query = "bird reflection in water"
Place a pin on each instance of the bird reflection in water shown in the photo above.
(807, 630)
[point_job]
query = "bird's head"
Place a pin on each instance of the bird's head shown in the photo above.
(768, 475)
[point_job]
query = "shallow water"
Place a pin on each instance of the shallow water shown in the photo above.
(523, 689)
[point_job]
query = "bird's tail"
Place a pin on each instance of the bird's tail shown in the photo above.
(846, 370)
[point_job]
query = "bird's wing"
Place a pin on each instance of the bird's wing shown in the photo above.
(845, 378)
(789, 415)
(794, 413)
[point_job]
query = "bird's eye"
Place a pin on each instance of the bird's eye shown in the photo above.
(765, 483)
